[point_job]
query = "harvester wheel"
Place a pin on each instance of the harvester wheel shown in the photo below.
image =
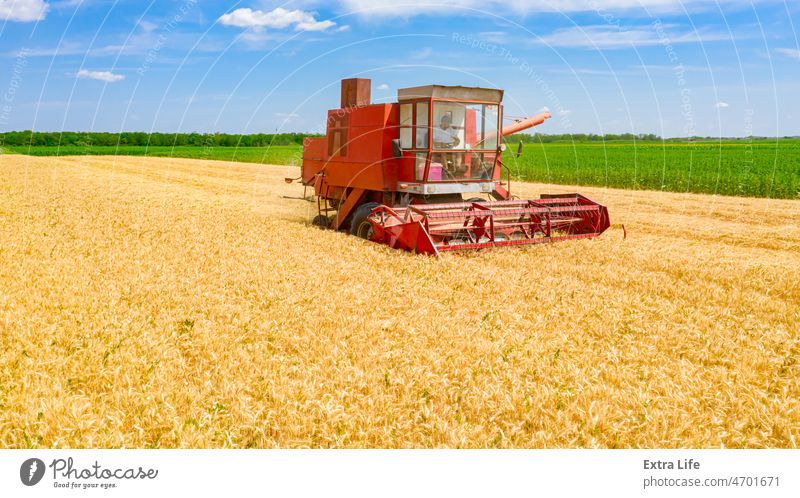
(321, 221)
(476, 199)
(359, 224)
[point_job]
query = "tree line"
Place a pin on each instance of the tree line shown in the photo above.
(579, 137)
(88, 139)
(137, 138)
(611, 137)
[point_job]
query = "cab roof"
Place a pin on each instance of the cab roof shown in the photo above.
(450, 92)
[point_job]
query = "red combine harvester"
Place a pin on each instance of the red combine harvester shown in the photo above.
(407, 174)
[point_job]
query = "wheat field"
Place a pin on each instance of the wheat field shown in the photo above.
(155, 302)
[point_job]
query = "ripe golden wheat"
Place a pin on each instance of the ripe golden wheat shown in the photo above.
(182, 303)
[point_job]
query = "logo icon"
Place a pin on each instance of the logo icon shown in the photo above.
(31, 471)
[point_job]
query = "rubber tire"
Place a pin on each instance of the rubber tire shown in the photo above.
(321, 221)
(476, 199)
(359, 225)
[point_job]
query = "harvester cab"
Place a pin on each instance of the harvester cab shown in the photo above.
(410, 174)
(451, 136)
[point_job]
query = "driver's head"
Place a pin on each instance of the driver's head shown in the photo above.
(445, 122)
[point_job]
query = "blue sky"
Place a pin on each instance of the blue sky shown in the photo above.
(673, 68)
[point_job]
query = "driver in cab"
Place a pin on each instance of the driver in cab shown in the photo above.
(445, 136)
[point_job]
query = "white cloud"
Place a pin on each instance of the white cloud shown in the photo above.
(498, 37)
(789, 52)
(610, 37)
(258, 36)
(106, 76)
(279, 18)
(383, 86)
(249, 18)
(147, 26)
(721, 105)
(409, 8)
(314, 25)
(635, 70)
(23, 10)
(287, 116)
(589, 72)
(665, 68)
(422, 53)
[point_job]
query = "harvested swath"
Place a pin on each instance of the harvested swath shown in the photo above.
(179, 303)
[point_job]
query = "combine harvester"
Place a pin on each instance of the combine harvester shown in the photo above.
(406, 174)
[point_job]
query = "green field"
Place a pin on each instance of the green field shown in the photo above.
(276, 154)
(758, 169)
(762, 168)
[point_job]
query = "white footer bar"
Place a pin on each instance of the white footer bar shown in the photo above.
(400, 473)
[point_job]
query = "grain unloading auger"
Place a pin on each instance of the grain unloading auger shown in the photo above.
(407, 174)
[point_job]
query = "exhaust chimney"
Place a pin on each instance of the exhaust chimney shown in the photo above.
(356, 92)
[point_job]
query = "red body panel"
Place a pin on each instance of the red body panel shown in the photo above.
(366, 160)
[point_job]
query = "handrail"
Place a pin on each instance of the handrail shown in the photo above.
(508, 177)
